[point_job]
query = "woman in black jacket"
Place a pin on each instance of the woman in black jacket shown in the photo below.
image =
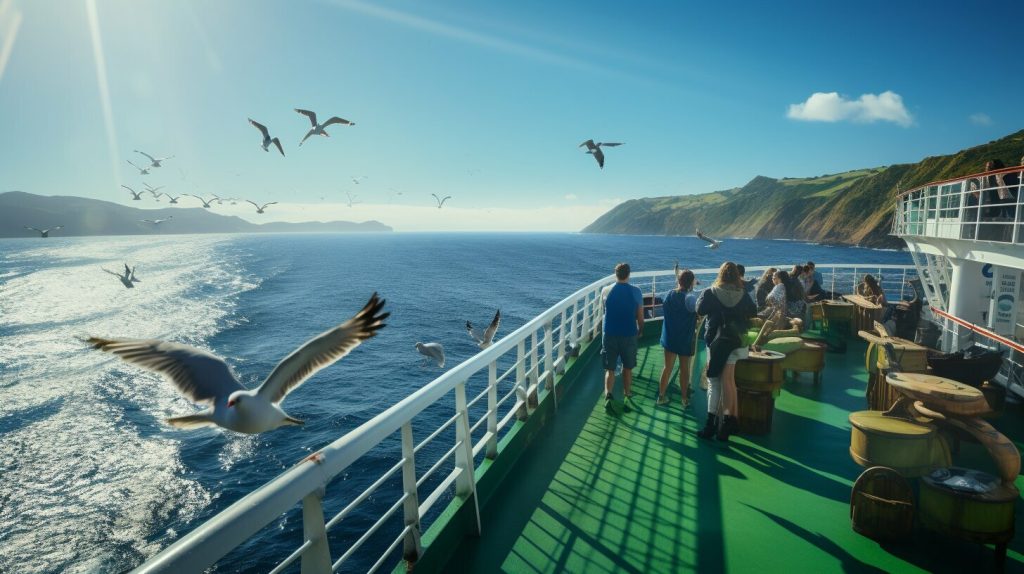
(728, 310)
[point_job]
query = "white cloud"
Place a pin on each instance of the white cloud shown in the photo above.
(571, 196)
(980, 119)
(832, 107)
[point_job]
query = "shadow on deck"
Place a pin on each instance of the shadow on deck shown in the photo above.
(639, 492)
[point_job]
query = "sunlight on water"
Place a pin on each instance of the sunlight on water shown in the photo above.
(89, 472)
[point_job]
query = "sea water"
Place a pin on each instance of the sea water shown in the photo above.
(93, 480)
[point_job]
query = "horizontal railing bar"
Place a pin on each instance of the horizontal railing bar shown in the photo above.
(482, 444)
(366, 493)
(511, 414)
(482, 394)
(434, 434)
(291, 557)
(507, 395)
(391, 548)
(366, 535)
(477, 424)
(445, 485)
(437, 464)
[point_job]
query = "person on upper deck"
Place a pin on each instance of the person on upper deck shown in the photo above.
(678, 330)
(623, 325)
(728, 310)
(764, 286)
(994, 191)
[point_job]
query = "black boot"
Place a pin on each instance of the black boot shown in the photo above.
(729, 426)
(710, 427)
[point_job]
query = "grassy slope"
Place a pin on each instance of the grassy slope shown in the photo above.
(853, 207)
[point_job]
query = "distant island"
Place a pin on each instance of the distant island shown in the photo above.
(849, 208)
(83, 216)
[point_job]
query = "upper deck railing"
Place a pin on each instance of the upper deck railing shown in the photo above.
(507, 380)
(979, 207)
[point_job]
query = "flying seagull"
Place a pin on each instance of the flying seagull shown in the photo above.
(173, 199)
(352, 198)
(206, 203)
(356, 180)
(131, 274)
(205, 378)
(142, 170)
(318, 129)
(267, 140)
(154, 161)
(44, 233)
(135, 196)
(712, 243)
(440, 202)
(152, 189)
(126, 279)
(485, 338)
(258, 208)
(431, 351)
(157, 221)
(595, 149)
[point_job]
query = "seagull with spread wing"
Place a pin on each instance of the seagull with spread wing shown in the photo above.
(135, 196)
(126, 279)
(257, 206)
(154, 161)
(486, 337)
(595, 150)
(142, 170)
(318, 129)
(157, 222)
(173, 199)
(206, 203)
(712, 243)
(431, 351)
(440, 201)
(205, 378)
(44, 233)
(267, 140)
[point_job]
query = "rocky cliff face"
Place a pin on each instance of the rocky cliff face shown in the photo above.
(850, 208)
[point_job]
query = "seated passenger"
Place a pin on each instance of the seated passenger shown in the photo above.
(796, 299)
(764, 286)
(775, 300)
(872, 291)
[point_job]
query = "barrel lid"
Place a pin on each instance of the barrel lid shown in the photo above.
(876, 422)
(971, 483)
(922, 384)
(839, 303)
(765, 355)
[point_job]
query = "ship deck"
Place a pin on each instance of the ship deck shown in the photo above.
(639, 492)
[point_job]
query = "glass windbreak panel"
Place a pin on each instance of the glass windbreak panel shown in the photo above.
(950, 200)
(932, 199)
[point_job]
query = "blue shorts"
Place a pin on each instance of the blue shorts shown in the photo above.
(614, 348)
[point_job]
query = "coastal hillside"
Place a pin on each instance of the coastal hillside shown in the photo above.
(83, 216)
(850, 208)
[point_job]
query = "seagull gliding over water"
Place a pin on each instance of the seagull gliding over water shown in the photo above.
(440, 202)
(126, 279)
(135, 196)
(486, 337)
(431, 351)
(206, 203)
(258, 208)
(267, 140)
(44, 233)
(712, 243)
(154, 161)
(142, 170)
(318, 129)
(205, 378)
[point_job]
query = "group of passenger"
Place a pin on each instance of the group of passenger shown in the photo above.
(728, 307)
(994, 197)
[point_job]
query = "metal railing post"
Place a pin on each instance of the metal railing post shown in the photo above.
(549, 362)
(585, 309)
(317, 559)
(465, 483)
(574, 323)
(563, 328)
(411, 547)
(492, 410)
(521, 391)
(534, 386)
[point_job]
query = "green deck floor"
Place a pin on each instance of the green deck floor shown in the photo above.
(640, 493)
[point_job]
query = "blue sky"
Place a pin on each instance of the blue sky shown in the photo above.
(487, 101)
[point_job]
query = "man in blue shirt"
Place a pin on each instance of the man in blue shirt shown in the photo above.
(623, 324)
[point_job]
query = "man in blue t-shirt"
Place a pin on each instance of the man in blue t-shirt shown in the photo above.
(623, 324)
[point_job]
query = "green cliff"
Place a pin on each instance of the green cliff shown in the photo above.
(851, 208)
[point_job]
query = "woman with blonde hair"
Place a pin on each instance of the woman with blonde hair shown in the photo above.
(677, 332)
(728, 310)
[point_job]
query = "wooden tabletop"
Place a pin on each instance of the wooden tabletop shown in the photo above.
(837, 302)
(862, 301)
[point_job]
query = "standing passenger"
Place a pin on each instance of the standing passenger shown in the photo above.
(623, 324)
(677, 332)
(728, 311)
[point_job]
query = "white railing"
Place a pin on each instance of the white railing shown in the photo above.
(516, 372)
(964, 208)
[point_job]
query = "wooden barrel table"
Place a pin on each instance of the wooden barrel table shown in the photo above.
(865, 312)
(809, 358)
(913, 358)
(910, 448)
(969, 504)
(838, 316)
(882, 504)
(758, 377)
